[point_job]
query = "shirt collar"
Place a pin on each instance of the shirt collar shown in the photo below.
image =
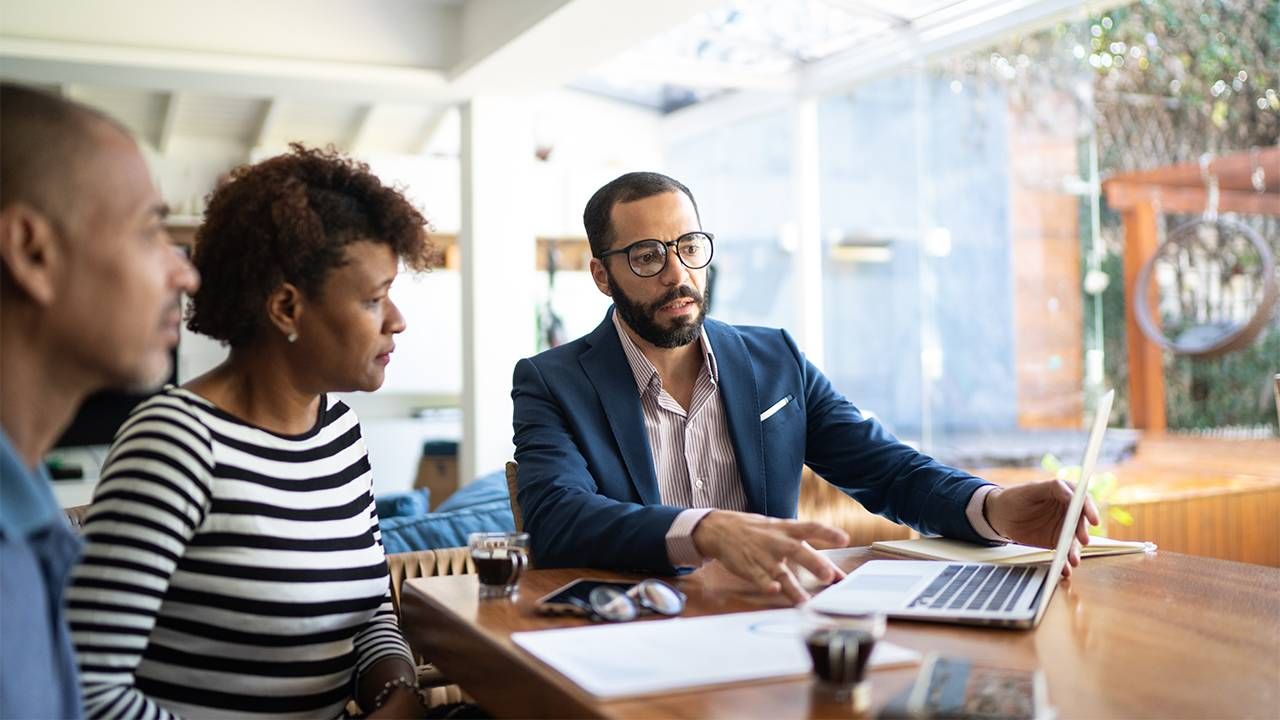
(644, 371)
(26, 497)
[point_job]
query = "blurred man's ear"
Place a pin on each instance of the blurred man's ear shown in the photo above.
(30, 252)
(601, 276)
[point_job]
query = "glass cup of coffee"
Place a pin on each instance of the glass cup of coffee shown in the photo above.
(840, 647)
(500, 558)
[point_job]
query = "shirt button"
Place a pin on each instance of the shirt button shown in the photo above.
(698, 484)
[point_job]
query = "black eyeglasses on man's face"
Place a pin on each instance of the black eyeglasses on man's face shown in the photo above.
(648, 257)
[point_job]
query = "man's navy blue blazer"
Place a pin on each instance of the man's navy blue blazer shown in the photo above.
(587, 487)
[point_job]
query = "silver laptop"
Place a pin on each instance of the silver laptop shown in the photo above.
(971, 593)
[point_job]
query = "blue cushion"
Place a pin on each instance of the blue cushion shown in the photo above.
(401, 504)
(484, 489)
(446, 529)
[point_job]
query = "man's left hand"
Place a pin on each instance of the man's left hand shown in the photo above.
(1031, 514)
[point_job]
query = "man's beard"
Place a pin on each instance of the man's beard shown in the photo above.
(643, 318)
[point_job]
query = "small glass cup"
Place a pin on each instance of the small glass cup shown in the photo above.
(840, 647)
(500, 559)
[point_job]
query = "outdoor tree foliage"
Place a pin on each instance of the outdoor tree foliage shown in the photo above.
(1214, 69)
(1163, 81)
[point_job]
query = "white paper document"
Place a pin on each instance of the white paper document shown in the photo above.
(611, 661)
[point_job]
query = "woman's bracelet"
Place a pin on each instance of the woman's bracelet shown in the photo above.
(398, 682)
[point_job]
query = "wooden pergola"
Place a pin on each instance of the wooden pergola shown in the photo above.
(1139, 197)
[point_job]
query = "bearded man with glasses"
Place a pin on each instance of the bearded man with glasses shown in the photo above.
(664, 439)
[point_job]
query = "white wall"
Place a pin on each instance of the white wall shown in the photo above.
(592, 141)
(190, 170)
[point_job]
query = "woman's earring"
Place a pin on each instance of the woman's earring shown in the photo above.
(292, 337)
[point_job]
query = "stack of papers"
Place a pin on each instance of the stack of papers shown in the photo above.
(640, 658)
(1011, 554)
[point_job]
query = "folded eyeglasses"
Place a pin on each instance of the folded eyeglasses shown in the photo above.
(609, 604)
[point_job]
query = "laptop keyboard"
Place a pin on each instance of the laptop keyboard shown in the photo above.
(975, 587)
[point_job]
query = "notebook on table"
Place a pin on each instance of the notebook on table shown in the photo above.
(1011, 554)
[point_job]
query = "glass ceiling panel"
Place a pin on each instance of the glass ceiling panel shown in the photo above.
(755, 44)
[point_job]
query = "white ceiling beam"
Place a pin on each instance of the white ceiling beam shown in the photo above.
(486, 26)
(568, 40)
(505, 47)
(358, 139)
(431, 129)
(217, 73)
(168, 121)
(267, 119)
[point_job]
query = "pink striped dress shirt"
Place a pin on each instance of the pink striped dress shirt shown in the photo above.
(692, 454)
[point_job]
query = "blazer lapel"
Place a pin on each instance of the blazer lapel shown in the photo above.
(606, 367)
(742, 410)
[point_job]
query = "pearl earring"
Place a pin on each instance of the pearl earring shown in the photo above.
(292, 337)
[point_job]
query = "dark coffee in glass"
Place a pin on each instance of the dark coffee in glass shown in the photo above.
(498, 567)
(840, 655)
(499, 558)
(841, 648)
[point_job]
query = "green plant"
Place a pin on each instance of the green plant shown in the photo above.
(1101, 489)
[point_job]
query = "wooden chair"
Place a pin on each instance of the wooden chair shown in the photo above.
(426, 563)
(515, 502)
(430, 563)
(76, 515)
(825, 503)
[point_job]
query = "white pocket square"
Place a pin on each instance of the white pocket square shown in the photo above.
(775, 408)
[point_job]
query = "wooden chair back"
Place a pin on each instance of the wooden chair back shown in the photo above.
(515, 502)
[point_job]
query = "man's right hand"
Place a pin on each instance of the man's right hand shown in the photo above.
(757, 549)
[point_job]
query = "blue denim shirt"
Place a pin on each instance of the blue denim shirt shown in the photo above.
(37, 552)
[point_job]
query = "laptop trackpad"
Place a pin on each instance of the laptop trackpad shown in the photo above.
(885, 583)
(878, 585)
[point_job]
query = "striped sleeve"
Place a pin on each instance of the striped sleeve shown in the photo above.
(381, 637)
(154, 492)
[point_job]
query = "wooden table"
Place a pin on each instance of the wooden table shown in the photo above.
(1162, 635)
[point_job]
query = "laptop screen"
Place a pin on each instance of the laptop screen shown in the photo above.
(1072, 518)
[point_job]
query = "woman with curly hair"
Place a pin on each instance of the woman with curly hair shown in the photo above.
(233, 565)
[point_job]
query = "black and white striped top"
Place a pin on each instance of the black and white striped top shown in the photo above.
(230, 571)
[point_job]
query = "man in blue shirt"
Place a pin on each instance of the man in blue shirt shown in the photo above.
(89, 299)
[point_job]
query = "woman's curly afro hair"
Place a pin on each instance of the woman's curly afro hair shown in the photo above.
(289, 219)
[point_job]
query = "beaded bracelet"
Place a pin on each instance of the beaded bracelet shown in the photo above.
(399, 682)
